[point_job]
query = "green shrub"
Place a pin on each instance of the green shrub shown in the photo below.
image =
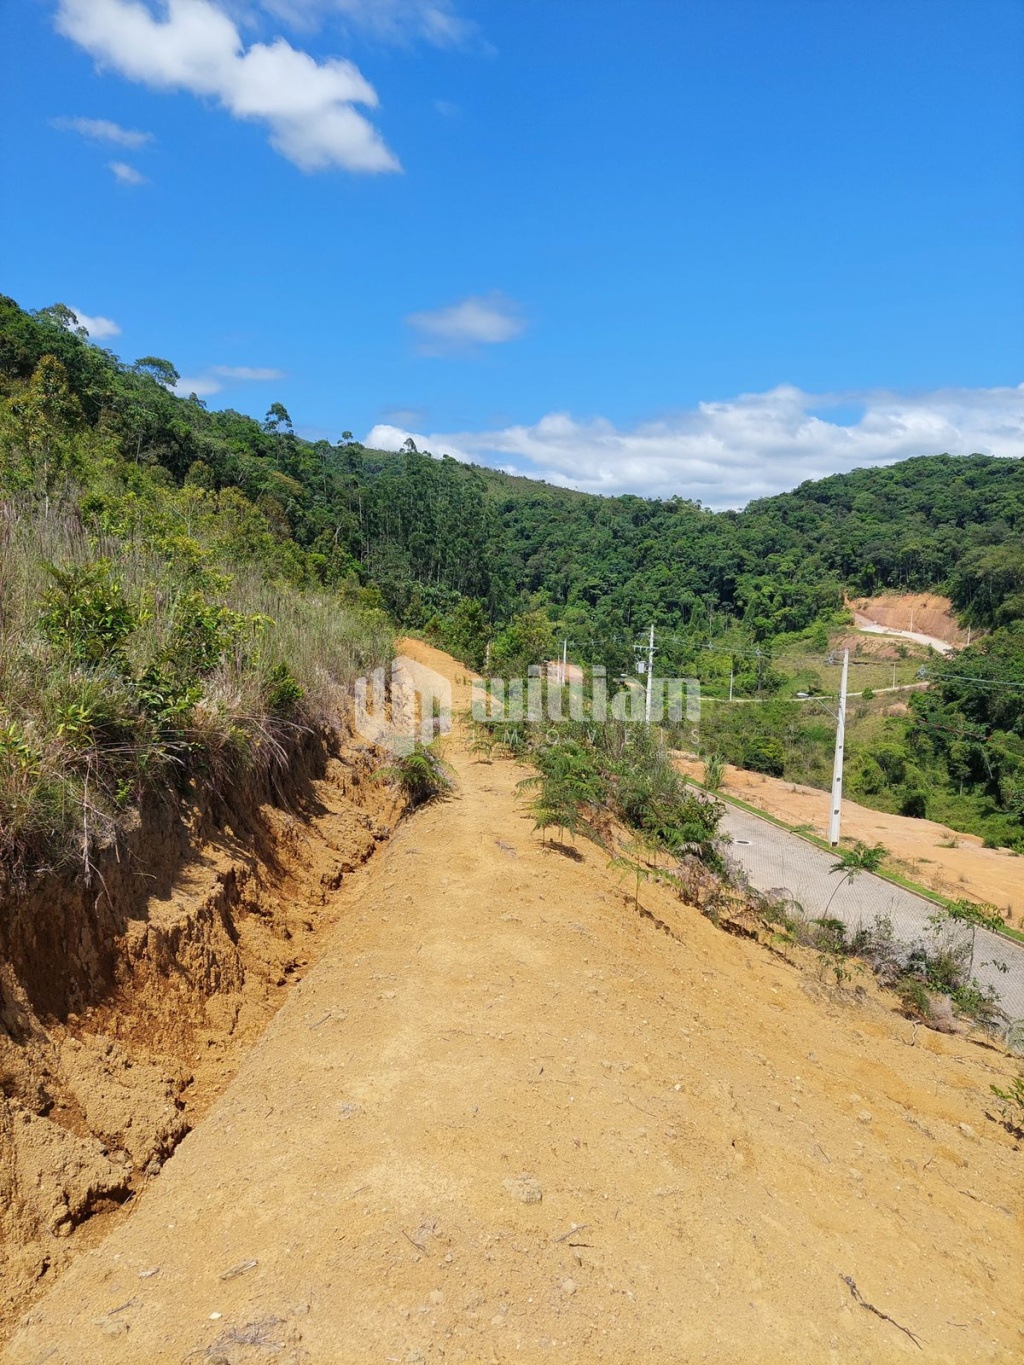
(1011, 1104)
(764, 755)
(914, 999)
(85, 615)
(714, 772)
(283, 690)
(422, 774)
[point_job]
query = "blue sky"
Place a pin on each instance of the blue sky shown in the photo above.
(710, 248)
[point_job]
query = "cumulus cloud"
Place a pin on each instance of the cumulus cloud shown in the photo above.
(726, 453)
(213, 379)
(103, 130)
(97, 327)
(479, 320)
(126, 175)
(308, 105)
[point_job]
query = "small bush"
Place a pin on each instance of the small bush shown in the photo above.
(764, 755)
(714, 772)
(1011, 1104)
(914, 999)
(422, 774)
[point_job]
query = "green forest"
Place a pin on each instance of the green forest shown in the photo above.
(181, 585)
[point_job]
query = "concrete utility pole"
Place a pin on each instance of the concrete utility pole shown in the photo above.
(837, 767)
(650, 678)
(732, 679)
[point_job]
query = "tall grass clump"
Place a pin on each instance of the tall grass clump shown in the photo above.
(128, 662)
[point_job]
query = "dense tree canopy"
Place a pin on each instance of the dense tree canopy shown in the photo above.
(498, 566)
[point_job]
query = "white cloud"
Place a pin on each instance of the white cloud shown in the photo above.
(726, 453)
(250, 372)
(308, 105)
(103, 130)
(202, 385)
(392, 21)
(97, 327)
(215, 377)
(480, 320)
(127, 175)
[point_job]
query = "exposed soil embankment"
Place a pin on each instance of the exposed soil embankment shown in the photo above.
(925, 613)
(522, 1112)
(128, 997)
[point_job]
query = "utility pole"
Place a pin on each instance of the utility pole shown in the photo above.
(650, 678)
(894, 675)
(565, 660)
(732, 679)
(837, 767)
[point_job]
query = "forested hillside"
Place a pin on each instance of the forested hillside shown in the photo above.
(146, 499)
(158, 627)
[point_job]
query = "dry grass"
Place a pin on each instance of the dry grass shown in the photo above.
(210, 675)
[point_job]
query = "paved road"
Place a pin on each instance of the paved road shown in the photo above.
(774, 860)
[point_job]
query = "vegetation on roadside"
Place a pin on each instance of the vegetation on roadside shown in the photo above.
(154, 631)
(1011, 1104)
(499, 570)
(932, 978)
(421, 774)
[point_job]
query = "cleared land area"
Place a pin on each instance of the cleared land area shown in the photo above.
(506, 1117)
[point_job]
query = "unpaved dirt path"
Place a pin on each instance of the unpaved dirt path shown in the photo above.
(508, 1118)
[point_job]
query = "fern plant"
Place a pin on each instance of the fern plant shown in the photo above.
(422, 774)
(567, 784)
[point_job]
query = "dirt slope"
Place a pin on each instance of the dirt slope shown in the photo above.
(507, 1118)
(920, 847)
(126, 1006)
(923, 612)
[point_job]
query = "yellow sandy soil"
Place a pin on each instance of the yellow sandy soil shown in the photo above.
(926, 612)
(508, 1118)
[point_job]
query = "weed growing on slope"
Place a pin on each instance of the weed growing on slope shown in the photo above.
(128, 663)
(421, 774)
(1011, 1105)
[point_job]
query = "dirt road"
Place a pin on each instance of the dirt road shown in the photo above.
(508, 1118)
(925, 617)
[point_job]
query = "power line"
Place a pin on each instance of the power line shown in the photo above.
(987, 682)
